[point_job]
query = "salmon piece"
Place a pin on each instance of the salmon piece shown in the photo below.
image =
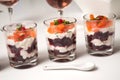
(56, 29)
(92, 17)
(92, 26)
(60, 27)
(51, 23)
(19, 36)
(68, 26)
(89, 26)
(109, 23)
(51, 29)
(100, 17)
(102, 23)
(10, 37)
(32, 33)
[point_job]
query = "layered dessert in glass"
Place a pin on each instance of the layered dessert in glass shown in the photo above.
(61, 39)
(99, 33)
(22, 44)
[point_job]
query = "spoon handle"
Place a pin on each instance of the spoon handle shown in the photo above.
(58, 67)
(82, 67)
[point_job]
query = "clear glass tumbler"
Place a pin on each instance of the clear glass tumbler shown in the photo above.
(99, 33)
(61, 38)
(21, 44)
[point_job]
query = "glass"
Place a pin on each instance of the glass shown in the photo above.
(9, 4)
(61, 38)
(59, 4)
(99, 33)
(21, 44)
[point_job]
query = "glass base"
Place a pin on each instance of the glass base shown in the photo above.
(62, 58)
(100, 53)
(24, 65)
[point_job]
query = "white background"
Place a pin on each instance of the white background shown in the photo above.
(108, 68)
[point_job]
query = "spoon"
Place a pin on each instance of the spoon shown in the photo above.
(82, 67)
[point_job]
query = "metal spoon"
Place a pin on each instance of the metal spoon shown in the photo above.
(82, 67)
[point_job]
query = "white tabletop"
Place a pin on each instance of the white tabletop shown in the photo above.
(38, 10)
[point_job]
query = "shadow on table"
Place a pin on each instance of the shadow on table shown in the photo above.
(116, 46)
(81, 51)
(4, 63)
(43, 57)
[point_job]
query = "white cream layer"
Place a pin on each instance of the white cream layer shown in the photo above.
(25, 54)
(27, 42)
(62, 49)
(98, 42)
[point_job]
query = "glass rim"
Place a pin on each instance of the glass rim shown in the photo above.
(113, 16)
(4, 28)
(45, 21)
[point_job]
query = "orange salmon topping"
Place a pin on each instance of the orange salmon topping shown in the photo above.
(59, 26)
(94, 24)
(92, 17)
(21, 34)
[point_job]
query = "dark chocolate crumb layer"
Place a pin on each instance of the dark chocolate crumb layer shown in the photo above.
(99, 35)
(14, 50)
(102, 37)
(65, 41)
(32, 47)
(17, 51)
